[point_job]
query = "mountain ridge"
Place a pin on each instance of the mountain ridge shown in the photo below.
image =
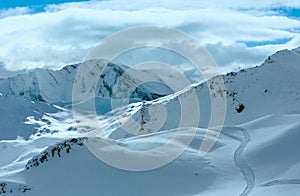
(55, 86)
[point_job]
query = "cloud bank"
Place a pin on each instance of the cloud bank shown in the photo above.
(65, 33)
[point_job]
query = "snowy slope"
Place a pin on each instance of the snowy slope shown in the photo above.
(242, 159)
(13, 115)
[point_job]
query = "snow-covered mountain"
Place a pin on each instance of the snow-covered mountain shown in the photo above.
(256, 153)
(56, 86)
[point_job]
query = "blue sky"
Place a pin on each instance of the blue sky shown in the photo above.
(31, 3)
(52, 33)
(288, 11)
(36, 6)
(267, 42)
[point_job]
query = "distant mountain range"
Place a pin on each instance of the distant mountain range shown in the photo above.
(56, 86)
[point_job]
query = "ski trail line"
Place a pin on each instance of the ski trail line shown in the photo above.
(239, 160)
(281, 182)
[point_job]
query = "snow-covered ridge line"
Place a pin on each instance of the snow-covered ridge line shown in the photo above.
(252, 93)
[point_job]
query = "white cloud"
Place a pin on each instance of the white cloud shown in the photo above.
(236, 55)
(65, 33)
(14, 11)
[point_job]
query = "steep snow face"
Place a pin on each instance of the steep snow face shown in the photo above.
(40, 85)
(23, 85)
(56, 86)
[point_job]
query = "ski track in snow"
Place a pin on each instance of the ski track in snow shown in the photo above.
(281, 182)
(239, 160)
